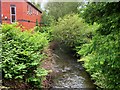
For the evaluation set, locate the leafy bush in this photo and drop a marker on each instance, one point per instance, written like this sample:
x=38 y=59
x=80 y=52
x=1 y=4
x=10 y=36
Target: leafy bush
x=101 y=59
x=22 y=53
x=72 y=30
x=102 y=54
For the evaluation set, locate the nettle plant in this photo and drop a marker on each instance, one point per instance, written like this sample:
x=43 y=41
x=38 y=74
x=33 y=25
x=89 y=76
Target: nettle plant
x=22 y=54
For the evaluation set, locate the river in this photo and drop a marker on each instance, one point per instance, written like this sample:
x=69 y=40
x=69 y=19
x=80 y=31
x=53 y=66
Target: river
x=71 y=73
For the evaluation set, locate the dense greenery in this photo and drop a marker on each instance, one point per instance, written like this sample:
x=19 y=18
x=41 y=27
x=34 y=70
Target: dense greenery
x=102 y=54
x=46 y=19
x=98 y=44
x=94 y=34
x=72 y=30
x=22 y=54
x=101 y=58
x=60 y=9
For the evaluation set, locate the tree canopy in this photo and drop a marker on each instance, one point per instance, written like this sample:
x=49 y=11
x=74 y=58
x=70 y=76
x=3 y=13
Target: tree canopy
x=106 y=14
x=60 y=9
x=102 y=55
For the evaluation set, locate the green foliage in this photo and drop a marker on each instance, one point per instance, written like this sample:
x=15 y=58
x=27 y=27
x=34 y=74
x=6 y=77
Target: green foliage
x=37 y=5
x=0 y=49
x=47 y=30
x=37 y=22
x=105 y=14
x=60 y=9
x=102 y=54
x=38 y=78
x=72 y=30
x=46 y=19
x=22 y=52
x=37 y=29
x=101 y=59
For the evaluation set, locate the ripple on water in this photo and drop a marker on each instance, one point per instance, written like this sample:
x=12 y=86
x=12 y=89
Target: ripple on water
x=71 y=74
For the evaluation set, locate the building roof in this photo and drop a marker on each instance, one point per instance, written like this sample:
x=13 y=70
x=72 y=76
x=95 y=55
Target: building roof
x=33 y=6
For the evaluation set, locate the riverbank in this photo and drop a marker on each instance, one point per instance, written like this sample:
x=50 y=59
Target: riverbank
x=49 y=64
x=66 y=71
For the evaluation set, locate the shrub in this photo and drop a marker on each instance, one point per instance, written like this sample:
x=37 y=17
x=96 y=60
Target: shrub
x=72 y=30
x=22 y=54
x=102 y=54
x=101 y=59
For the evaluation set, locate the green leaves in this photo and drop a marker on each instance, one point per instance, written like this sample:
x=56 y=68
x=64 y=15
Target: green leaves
x=106 y=14
x=102 y=58
x=72 y=30
x=41 y=72
x=101 y=55
x=22 y=52
x=60 y=9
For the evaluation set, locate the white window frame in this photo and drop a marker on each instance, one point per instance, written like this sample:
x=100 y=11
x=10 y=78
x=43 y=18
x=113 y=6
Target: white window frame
x=11 y=6
x=37 y=12
x=33 y=11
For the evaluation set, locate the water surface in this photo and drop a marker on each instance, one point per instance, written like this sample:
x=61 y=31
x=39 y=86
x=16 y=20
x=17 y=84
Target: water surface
x=71 y=74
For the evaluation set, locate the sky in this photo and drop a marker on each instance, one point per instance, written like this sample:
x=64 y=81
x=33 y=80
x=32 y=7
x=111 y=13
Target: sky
x=39 y=1
x=43 y=2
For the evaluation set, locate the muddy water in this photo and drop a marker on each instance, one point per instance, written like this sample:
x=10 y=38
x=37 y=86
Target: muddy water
x=71 y=74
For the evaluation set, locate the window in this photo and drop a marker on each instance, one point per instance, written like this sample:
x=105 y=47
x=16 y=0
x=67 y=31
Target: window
x=13 y=13
x=37 y=12
x=29 y=10
x=33 y=11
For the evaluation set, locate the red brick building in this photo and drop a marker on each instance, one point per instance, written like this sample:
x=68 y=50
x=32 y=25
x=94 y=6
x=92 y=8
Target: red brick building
x=20 y=11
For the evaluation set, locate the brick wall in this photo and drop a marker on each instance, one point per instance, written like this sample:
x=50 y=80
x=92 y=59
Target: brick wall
x=23 y=14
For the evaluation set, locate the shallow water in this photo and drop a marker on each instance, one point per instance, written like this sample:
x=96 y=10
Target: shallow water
x=71 y=74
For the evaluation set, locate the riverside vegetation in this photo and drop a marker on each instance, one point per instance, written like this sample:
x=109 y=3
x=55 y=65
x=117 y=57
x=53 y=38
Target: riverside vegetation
x=22 y=55
x=95 y=35
x=93 y=32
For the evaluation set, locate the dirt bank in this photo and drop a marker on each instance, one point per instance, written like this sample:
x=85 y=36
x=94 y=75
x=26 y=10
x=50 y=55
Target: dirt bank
x=49 y=64
x=66 y=71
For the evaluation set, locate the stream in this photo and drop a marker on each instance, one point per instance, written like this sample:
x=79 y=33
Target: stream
x=71 y=74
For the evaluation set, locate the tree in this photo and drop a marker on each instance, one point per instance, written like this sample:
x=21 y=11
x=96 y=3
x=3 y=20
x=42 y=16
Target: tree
x=38 y=5
x=102 y=54
x=60 y=9
x=106 y=14
x=46 y=19
x=72 y=30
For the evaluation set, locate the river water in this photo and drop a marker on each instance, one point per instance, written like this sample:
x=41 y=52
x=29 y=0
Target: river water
x=71 y=74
